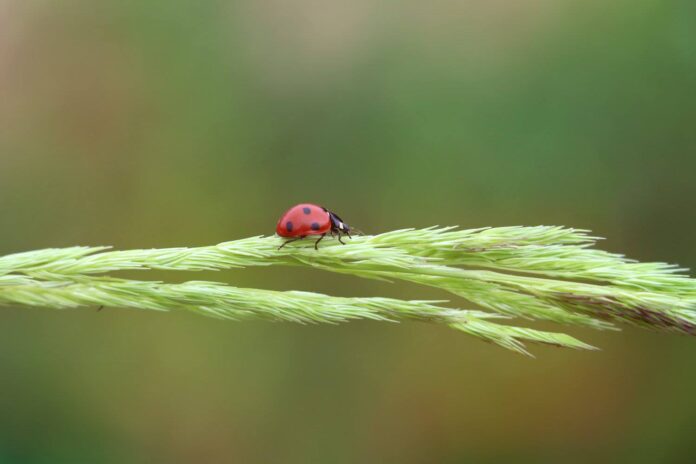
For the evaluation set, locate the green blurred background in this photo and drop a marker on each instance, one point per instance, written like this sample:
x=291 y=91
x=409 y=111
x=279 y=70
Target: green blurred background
x=167 y=123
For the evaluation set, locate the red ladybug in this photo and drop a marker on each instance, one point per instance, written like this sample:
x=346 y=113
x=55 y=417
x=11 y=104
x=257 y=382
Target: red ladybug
x=310 y=219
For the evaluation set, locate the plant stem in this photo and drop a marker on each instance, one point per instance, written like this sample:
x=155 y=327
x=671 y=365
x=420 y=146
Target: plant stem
x=536 y=273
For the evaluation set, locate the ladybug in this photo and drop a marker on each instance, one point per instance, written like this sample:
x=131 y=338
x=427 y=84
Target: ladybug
x=310 y=219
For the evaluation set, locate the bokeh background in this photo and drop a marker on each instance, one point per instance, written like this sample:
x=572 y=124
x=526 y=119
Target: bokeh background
x=170 y=123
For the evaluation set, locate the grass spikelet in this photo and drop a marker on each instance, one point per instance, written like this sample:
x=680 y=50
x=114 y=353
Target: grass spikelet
x=513 y=273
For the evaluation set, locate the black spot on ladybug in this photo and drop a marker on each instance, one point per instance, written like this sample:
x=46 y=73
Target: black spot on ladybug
x=306 y=210
x=288 y=225
x=315 y=226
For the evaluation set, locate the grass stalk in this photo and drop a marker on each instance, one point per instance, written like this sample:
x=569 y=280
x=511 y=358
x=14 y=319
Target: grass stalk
x=532 y=273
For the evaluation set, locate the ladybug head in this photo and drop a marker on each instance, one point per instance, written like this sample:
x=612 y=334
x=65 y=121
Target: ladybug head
x=337 y=223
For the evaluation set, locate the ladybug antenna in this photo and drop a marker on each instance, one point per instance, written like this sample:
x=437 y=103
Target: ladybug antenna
x=355 y=231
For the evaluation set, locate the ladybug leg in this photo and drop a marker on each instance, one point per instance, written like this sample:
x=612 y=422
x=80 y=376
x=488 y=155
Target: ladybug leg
x=290 y=241
x=338 y=233
x=317 y=242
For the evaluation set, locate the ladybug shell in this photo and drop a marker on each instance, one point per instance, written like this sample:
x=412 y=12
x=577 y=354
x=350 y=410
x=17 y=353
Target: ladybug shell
x=304 y=219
